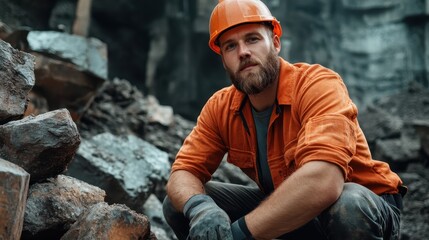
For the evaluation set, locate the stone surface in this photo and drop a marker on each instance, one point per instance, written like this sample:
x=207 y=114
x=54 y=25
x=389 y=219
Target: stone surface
x=43 y=145
x=152 y=208
x=87 y=53
x=16 y=80
x=65 y=85
x=128 y=168
x=14 y=183
x=53 y=206
x=110 y=222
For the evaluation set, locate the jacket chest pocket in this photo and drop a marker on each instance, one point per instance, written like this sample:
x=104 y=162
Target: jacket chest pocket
x=244 y=160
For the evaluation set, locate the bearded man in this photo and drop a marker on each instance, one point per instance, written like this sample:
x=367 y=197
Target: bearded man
x=293 y=129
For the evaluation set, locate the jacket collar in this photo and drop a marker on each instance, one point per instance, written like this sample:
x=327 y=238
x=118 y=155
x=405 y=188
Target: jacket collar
x=287 y=79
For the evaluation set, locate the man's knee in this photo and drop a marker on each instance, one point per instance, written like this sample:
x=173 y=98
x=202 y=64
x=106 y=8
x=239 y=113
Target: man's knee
x=355 y=212
x=169 y=211
x=354 y=201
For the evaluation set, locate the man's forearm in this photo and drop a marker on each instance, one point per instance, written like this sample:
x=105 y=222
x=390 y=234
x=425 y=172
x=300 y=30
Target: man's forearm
x=303 y=196
x=181 y=186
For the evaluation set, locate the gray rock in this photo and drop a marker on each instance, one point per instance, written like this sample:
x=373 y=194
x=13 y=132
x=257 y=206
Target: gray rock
x=16 y=80
x=88 y=53
x=153 y=210
x=128 y=168
x=43 y=145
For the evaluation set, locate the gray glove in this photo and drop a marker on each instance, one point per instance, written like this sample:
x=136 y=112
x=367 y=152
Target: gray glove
x=240 y=231
x=207 y=220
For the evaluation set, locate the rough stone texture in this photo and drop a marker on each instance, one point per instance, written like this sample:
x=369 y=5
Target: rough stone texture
x=53 y=206
x=411 y=105
x=376 y=46
x=399 y=152
x=65 y=85
x=128 y=168
x=414 y=218
x=14 y=183
x=152 y=208
x=110 y=222
x=379 y=124
x=16 y=80
x=42 y=145
x=121 y=109
x=87 y=53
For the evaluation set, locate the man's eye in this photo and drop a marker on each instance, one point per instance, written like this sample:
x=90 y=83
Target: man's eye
x=252 y=40
x=229 y=47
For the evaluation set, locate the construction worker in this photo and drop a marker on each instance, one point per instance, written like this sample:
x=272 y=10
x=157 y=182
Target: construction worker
x=293 y=129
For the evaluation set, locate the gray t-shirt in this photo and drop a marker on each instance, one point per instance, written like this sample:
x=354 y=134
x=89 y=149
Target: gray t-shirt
x=262 y=121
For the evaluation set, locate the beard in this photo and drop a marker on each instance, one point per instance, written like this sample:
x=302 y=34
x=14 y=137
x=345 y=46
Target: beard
x=255 y=82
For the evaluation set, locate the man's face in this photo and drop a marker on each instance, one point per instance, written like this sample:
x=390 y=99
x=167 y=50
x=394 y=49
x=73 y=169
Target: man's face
x=250 y=56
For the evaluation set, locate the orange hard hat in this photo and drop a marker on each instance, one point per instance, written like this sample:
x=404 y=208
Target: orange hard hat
x=229 y=13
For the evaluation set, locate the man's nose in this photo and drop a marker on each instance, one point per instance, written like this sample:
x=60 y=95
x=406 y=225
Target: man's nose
x=243 y=50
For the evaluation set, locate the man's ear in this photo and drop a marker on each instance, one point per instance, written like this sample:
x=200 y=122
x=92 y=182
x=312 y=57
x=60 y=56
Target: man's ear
x=277 y=43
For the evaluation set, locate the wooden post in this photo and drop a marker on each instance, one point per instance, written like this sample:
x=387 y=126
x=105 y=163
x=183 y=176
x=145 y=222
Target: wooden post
x=83 y=17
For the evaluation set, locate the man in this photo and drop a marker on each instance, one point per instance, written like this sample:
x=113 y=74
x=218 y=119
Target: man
x=293 y=129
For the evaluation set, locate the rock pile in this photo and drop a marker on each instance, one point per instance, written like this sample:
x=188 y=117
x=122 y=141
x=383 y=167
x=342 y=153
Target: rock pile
x=39 y=202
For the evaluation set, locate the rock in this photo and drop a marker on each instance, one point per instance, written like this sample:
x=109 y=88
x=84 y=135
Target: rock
x=376 y=123
x=399 y=152
x=128 y=168
x=43 y=145
x=110 y=222
x=16 y=80
x=65 y=85
x=53 y=206
x=87 y=53
x=14 y=183
x=152 y=208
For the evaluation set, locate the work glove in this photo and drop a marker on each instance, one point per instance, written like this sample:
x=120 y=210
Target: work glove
x=207 y=220
x=240 y=231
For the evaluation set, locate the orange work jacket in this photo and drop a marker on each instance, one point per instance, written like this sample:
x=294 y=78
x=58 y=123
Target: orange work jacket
x=313 y=119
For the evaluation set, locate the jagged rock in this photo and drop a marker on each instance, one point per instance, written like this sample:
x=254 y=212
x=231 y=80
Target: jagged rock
x=87 y=53
x=399 y=152
x=121 y=109
x=14 y=183
x=159 y=114
x=152 y=208
x=16 y=80
x=53 y=206
x=410 y=105
x=232 y=174
x=128 y=168
x=414 y=220
x=110 y=222
x=42 y=145
x=376 y=123
x=65 y=85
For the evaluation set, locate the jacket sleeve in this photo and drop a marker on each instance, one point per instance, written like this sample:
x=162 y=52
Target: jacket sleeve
x=328 y=118
x=203 y=149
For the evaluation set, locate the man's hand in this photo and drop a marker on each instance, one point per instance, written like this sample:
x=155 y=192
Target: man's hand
x=207 y=220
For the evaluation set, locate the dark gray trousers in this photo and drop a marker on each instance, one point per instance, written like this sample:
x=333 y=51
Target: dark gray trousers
x=357 y=214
